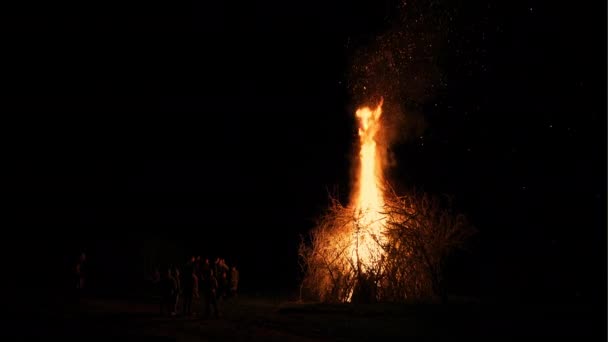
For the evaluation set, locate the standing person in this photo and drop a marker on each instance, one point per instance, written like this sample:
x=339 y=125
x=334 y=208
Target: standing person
x=178 y=290
x=209 y=294
x=198 y=265
x=203 y=276
x=223 y=285
x=168 y=289
x=188 y=284
x=234 y=281
x=79 y=276
x=195 y=289
x=223 y=278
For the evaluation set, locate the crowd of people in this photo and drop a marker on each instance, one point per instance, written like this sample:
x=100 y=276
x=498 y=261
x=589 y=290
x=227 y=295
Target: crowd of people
x=197 y=286
x=198 y=281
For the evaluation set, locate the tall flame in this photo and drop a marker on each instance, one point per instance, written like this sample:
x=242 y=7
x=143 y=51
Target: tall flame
x=369 y=198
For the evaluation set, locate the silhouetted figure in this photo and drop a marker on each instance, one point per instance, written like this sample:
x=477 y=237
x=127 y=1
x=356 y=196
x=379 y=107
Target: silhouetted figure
x=188 y=284
x=209 y=294
x=195 y=294
x=195 y=286
x=79 y=277
x=168 y=290
x=221 y=273
x=198 y=264
x=223 y=285
x=203 y=274
x=234 y=281
x=178 y=285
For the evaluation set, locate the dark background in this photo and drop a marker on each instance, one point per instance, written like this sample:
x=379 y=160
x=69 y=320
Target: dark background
x=150 y=131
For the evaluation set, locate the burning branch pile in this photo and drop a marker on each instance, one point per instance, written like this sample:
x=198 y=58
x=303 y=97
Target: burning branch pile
x=329 y=267
x=423 y=230
x=419 y=232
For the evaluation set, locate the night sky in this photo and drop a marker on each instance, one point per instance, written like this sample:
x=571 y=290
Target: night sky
x=220 y=129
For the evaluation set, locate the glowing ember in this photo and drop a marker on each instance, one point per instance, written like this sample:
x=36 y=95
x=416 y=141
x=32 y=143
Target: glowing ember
x=369 y=199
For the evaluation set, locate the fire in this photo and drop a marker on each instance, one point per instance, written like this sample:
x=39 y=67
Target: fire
x=369 y=199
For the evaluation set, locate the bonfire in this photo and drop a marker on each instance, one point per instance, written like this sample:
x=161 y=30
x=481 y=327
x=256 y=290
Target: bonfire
x=381 y=246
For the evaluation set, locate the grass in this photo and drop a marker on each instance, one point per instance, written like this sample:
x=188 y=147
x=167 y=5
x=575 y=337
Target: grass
x=272 y=319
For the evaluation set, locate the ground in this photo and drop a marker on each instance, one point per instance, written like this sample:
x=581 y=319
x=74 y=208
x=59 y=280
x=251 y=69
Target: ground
x=266 y=319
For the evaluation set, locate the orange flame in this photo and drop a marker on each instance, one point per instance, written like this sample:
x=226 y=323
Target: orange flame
x=369 y=198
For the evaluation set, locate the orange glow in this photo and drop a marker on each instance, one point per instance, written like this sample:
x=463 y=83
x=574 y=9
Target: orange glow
x=369 y=199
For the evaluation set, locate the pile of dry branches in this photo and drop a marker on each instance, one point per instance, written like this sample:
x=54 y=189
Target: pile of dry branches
x=420 y=232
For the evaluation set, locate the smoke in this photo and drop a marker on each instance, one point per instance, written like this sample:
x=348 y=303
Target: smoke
x=401 y=66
